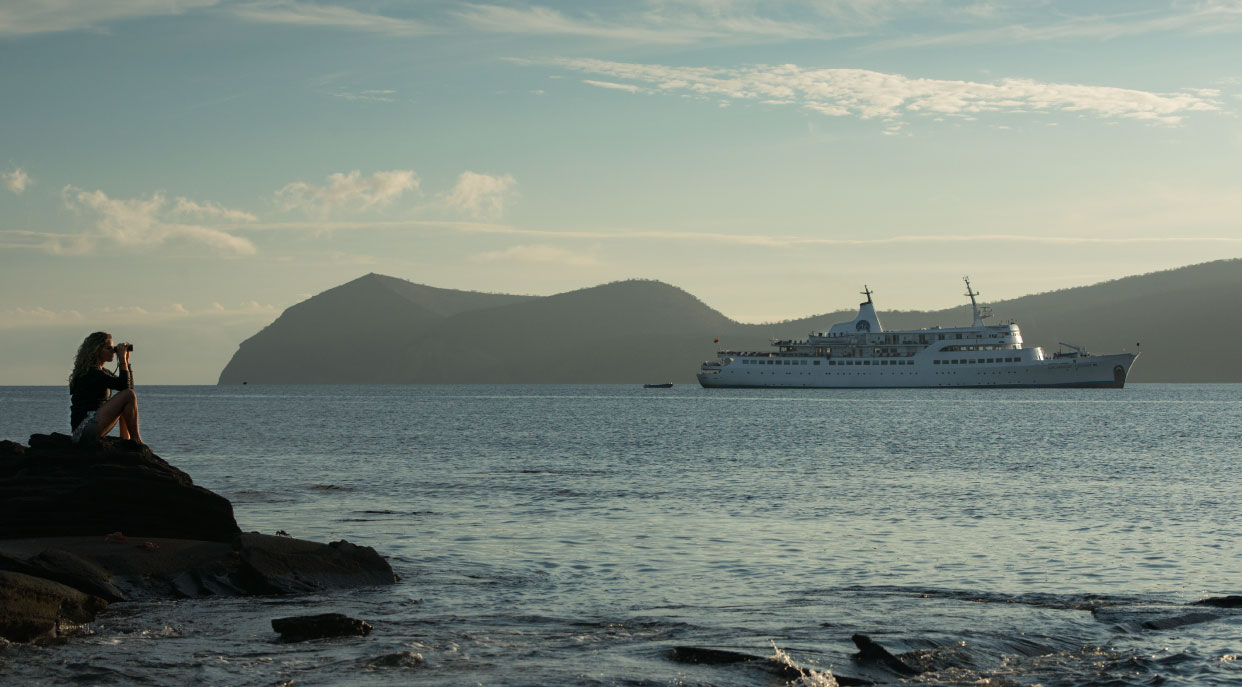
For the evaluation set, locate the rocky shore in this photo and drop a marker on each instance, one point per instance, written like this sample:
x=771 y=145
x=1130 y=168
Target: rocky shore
x=83 y=527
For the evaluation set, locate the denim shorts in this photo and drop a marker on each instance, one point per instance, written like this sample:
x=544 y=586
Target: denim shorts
x=88 y=427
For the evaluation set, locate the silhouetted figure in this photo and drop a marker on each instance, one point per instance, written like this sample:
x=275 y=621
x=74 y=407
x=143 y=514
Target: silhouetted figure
x=93 y=409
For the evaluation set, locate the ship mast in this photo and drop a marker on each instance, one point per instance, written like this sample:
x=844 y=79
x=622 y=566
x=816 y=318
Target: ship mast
x=973 y=305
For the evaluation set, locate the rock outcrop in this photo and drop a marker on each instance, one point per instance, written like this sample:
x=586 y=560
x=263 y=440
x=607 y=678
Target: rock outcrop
x=84 y=526
x=55 y=488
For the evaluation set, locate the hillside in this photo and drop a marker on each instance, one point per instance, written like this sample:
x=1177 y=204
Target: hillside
x=379 y=329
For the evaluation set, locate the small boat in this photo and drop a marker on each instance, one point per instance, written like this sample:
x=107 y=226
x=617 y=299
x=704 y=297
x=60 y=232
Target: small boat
x=666 y=385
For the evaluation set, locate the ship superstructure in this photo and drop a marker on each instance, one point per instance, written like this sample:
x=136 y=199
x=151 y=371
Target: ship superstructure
x=862 y=354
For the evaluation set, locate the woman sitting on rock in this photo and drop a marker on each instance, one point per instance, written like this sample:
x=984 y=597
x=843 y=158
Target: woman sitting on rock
x=92 y=413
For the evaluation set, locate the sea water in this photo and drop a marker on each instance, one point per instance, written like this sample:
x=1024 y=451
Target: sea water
x=566 y=535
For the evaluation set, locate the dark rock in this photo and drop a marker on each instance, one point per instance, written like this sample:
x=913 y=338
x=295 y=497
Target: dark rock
x=283 y=565
x=67 y=568
x=34 y=609
x=303 y=627
x=1179 y=621
x=871 y=652
x=712 y=657
x=1221 y=602
x=58 y=488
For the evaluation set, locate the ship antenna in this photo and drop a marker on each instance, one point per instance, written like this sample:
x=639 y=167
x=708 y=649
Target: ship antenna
x=867 y=292
x=973 y=305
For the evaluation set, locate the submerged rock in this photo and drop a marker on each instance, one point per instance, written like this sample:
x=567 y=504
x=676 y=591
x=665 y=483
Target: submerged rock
x=303 y=627
x=400 y=659
x=1178 y=621
x=56 y=488
x=720 y=657
x=871 y=652
x=1221 y=602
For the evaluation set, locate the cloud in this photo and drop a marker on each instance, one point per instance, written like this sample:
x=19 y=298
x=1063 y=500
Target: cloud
x=481 y=195
x=313 y=15
x=869 y=94
x=1218 y=213
x=27 y=17
x=373 y=96
x=17 y=180
x=38 y=316
x=348 y=190
x=185 y=206
x=544 y=21
x=537 y=253
x=1221 y=16
x=143 y=222
x=617 y=86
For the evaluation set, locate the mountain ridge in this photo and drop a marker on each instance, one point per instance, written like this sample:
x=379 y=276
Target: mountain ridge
x=381 y=329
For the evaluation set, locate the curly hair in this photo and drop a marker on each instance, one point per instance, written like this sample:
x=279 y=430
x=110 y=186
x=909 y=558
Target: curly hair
x=87 y=358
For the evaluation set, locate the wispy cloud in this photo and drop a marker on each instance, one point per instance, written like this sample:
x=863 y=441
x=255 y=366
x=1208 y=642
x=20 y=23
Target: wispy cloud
x=538 y=253
x=26 y=17
x=1199 y=18
x=144 y=222
x=616 y=86
x=349 y=190
x=16 y=180
x=307 y=14
x=185 y=206
x=869 y=94
x=481 y=195
x=129 y=315
x=721 y=238
x=545 y=21
x=372 y=96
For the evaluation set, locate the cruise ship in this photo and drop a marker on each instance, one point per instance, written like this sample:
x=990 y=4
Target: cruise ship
x=861 y=354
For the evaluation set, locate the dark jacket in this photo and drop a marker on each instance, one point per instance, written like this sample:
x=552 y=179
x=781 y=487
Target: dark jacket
x=89 y=390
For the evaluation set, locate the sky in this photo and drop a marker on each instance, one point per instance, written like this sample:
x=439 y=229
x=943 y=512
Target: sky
x=178 y=172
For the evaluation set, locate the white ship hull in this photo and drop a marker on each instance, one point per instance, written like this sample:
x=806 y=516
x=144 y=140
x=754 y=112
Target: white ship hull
x=1093 y=371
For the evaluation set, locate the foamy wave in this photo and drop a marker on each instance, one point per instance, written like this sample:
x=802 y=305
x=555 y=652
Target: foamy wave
x=809 y=677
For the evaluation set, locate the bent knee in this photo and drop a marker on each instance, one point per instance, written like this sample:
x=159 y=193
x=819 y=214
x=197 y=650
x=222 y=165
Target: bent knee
x=126 y=395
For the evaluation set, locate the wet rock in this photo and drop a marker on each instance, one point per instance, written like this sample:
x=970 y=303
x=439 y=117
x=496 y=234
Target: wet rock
x=1221 y=602
x=283 y=565
x=871 y=652
x=33 y=609
x=303 y=627
x=712 y=657
x=57 y=488
x=1178 y=621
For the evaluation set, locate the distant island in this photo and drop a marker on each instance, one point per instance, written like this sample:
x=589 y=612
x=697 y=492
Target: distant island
x=383 y=330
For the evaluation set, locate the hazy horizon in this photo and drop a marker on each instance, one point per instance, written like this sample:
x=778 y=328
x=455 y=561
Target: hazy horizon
x=179 y=173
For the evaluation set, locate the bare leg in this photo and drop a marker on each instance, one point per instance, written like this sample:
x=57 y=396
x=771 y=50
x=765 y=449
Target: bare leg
x=122 y=407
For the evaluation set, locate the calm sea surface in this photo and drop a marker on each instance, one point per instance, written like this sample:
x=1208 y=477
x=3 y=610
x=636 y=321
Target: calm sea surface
x=565 y=535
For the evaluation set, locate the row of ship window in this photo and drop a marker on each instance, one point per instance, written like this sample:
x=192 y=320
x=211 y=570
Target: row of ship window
x=830 y=362
x=976 y=360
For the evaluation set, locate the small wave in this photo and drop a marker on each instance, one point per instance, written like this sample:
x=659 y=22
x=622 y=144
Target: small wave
x=330 y=487
x=807 y=677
